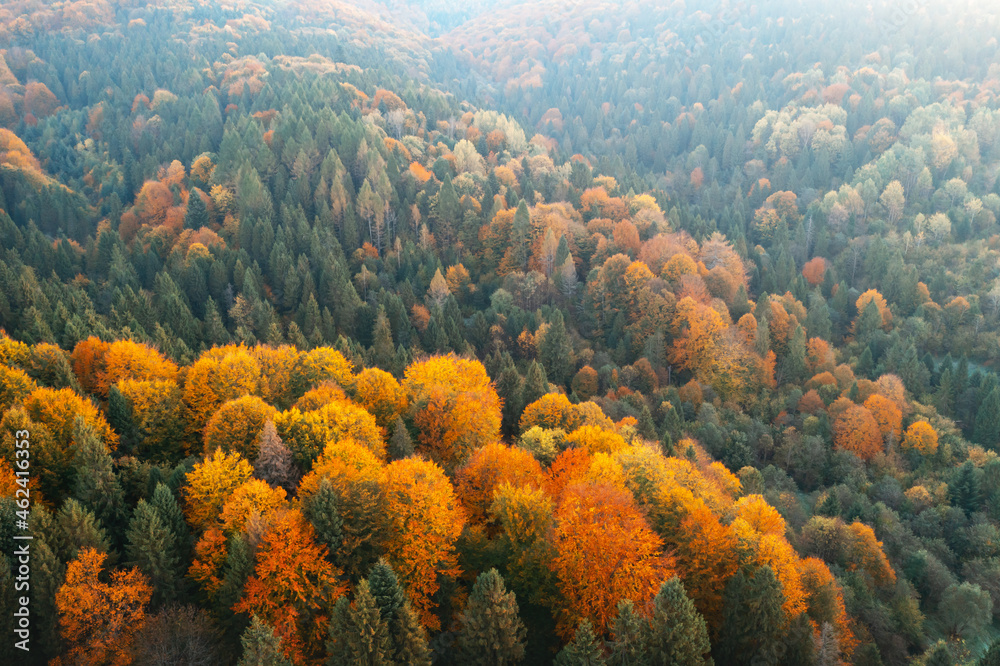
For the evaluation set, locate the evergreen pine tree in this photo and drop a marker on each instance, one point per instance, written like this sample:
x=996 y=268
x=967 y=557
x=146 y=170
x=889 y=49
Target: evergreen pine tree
x=556 y=351
x=97 y=488
x=78 y=529
x=196 y=215
x=274 y=461
x=236 y=571
x=676 y=632
x=536 y=384
x=172 y=517
x=322 y=512
x=584 y=650
x=358 y=634
x=754 y=623
x=520 y=237
x=215 y=332
x=383 y=349
x=261 y=647
x=646 y=426
x=795 y=362
x=400 y=444
x=510 y=388
x=987 y=428
x=151 y=547
x=627 y=648
x=866 y=363
x=407 y=637
x=492 y=633
x=120 y=418
x=47 y=576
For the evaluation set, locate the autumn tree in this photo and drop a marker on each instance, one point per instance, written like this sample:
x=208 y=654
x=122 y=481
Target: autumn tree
x=922 y=438
x=857 y=431
x=98 y=619
x=210 y=484
x=237 y=425
x=381 y=395
x=605 y=552
x=424 y=522
x=292 y=586
x=886 y=415
x=454 y=407
x=488 y=468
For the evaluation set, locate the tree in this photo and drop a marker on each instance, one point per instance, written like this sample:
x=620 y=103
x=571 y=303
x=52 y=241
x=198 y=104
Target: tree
x=210 y=484
x=987 y=427
x=584 y=650
x=968 y=609
x=379 y=393
x=424 y=522
x=196 y=215
x=676 y=632
x=178 y=635
x=627 y=647
x=922 y=438
x=152 y=547
x=605 y=552
x=754 y=623
x=492 y=632
x=400 y=444
x=454 y=407
x=98 y=619
x=237 y=426
x=488 y=468
x=274 y=461
x=887 y=415
x=97 y=488
x=556 y=350
x=857 y=431
x=292 y=586
x=408 y=639
x=359 y=636
x=261 y=646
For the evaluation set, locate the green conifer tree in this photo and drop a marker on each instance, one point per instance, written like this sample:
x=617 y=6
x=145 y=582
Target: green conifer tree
x=358 y=634
x=407 y=637
x=492 y=633
x=261 y=647
x=676 y=632
x=585 y=649
x=150 y=545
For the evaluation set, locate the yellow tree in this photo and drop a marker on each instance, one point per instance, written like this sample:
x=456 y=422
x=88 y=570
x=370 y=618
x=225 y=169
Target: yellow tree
x=219 y=374
x=210 y=484
x=454 y=406
x=424 y=521
x=381 y=395
x=697 y=329
x=237 y=424
x=922 y=438
x=488 y=468
x=307 y=433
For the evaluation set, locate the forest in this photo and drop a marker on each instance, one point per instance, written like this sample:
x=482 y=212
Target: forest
x=572 y=332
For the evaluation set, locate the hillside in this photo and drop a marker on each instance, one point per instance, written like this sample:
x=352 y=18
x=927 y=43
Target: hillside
x=370 y=332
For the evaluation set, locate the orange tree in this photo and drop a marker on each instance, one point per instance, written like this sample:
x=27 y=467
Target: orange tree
x=454 y=406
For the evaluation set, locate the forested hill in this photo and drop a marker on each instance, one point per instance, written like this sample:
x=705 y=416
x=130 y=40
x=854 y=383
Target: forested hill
x=412 y=332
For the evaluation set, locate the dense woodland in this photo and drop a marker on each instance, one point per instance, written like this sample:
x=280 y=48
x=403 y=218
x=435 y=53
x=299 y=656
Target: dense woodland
x=491 y=332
